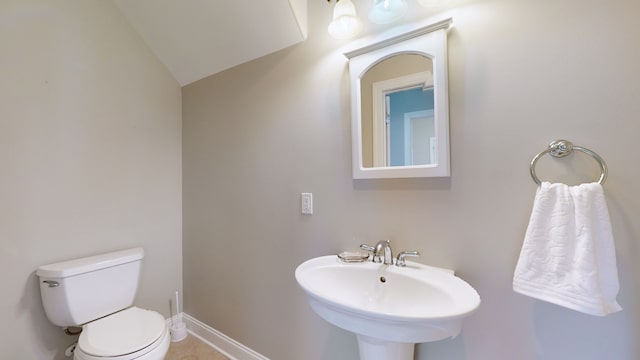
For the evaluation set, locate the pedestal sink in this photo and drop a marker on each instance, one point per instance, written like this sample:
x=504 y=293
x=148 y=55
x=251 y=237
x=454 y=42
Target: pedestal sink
x=389 y=308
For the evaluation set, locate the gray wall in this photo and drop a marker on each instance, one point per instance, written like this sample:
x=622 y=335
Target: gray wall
x=90 y=143
x=522 y=73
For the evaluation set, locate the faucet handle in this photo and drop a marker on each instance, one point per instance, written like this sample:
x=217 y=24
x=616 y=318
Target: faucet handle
x=368 y=248
x=401 y=262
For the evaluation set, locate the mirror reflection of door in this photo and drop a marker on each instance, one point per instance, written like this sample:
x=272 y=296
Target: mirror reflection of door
x=419 y=138
x=411 y=127
x=398 y=124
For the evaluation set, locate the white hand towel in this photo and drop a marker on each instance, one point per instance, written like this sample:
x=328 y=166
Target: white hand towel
x=568 y=256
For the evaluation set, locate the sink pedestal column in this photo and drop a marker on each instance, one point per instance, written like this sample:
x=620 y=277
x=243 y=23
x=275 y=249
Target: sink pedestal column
x=374 y=349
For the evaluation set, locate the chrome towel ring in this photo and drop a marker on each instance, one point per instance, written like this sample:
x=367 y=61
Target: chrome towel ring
x=562 y=148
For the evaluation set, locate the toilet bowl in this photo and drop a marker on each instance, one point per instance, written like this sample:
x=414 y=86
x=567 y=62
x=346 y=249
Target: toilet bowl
x=133 y=333
x=97 y=293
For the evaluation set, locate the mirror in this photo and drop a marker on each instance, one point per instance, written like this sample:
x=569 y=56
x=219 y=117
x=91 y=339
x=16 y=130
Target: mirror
x=399 y=102
x=397 y=118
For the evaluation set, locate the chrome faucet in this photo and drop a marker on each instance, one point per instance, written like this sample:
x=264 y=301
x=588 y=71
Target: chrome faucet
x=383 y=252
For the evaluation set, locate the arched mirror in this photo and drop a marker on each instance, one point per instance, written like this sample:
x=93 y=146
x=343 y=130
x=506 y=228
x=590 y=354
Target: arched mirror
x=399 y=105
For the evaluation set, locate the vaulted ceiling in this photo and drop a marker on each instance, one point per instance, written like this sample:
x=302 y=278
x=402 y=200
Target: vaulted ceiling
x=198 y=38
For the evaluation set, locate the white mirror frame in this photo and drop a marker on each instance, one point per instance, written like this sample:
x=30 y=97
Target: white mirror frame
x=429 y=41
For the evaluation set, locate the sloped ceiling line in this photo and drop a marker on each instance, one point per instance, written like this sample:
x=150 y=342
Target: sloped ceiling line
x=198 y=38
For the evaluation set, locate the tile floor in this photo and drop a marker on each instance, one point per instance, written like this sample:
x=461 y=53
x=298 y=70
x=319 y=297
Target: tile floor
x=193 y=348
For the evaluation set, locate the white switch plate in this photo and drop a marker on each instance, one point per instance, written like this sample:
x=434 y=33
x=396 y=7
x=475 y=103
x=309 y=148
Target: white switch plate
x=307 y=203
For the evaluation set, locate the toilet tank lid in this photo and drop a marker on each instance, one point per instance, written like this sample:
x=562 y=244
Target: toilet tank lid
x=83 y=265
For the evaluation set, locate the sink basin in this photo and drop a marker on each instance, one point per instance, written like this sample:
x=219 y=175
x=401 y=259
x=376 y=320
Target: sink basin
x=389 y=308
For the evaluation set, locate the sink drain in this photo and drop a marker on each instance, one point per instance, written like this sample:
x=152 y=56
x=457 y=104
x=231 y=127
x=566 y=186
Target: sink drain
x=383 y=279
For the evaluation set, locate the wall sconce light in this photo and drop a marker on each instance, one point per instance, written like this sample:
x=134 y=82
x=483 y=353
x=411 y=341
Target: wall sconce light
x=387 y=11
x=345 y=24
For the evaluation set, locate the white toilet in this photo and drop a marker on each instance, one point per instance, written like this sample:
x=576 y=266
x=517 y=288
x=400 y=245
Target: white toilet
x=96 y=293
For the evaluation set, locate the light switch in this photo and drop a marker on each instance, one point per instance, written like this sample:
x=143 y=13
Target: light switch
x=307 y=203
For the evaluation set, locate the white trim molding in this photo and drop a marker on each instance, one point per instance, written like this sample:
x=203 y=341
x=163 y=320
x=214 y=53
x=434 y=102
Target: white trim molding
x=433 y=45
x=443 y=24
x=219 y=341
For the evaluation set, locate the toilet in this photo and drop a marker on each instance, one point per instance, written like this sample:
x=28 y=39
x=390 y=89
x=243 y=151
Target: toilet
x=97 y=293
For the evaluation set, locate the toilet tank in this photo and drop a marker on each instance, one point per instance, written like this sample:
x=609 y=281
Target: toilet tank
x=78 y=291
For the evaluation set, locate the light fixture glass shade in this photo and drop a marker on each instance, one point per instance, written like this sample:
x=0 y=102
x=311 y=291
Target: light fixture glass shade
x=345 y=24
x=387 y=11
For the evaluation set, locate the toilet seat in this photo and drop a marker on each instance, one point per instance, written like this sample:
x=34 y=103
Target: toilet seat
x=128 y=334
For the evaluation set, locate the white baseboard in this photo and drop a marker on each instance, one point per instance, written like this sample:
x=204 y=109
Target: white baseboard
x=219 y=341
